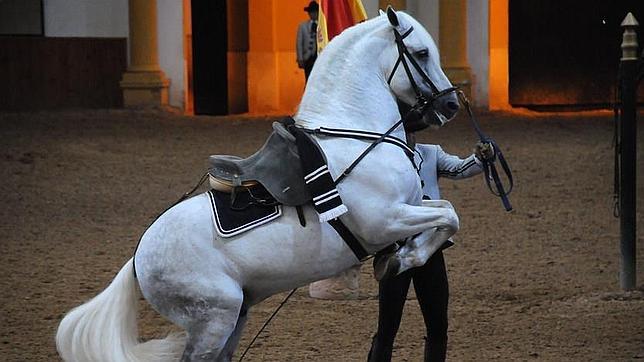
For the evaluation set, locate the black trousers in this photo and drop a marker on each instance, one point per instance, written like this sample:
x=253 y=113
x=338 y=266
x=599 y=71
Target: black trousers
x=308 y=66
x=432 y=291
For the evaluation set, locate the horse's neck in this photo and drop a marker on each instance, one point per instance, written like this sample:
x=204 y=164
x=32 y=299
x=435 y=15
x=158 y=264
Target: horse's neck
x=347 y=92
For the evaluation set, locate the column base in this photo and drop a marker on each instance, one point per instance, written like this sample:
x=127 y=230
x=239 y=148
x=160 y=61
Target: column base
x=461 y=77
x=145 y=89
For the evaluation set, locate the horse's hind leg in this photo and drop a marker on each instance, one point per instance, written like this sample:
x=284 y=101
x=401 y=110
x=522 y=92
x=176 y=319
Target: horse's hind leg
x=212 y=320
x=233 y=340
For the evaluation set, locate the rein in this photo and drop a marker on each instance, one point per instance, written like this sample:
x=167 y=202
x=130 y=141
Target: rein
x=365 y=135
x=417 y=111
x=489 y=168
x=365 y=152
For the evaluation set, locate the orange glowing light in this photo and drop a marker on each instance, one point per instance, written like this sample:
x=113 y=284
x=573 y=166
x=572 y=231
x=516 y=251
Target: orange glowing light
x=499 y=78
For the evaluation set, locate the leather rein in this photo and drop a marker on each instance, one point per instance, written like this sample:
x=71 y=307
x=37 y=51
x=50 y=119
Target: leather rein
x=411 y=119
x=423 y=104
x=489 y=167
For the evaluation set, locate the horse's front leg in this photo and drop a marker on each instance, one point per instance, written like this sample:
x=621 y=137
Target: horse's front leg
x=419 y=249
x=430 y=224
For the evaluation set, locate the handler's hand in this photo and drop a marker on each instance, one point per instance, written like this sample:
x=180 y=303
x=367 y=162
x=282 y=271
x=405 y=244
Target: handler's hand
x=484 y=151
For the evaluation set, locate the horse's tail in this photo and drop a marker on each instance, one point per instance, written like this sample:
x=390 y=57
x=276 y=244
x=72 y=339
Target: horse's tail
x=105 y=328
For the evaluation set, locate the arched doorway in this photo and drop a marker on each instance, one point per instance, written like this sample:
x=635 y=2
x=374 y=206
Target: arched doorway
x=217 y=44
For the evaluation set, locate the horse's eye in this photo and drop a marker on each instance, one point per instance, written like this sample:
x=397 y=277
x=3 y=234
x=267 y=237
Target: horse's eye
x=422 y=53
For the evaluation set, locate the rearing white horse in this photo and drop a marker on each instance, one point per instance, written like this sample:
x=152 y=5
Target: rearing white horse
x=205 y=284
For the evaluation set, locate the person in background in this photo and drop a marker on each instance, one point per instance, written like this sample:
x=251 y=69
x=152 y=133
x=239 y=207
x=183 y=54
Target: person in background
x=430 y=280
x=306 y=45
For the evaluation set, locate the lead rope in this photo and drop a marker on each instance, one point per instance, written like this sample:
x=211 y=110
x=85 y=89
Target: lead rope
x=266 y=324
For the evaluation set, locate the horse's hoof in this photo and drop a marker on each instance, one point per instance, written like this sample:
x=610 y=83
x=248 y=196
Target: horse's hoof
x=386 y=267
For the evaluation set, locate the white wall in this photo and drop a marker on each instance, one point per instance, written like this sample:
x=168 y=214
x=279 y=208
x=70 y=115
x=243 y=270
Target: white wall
x=86 y=18
x=478 y=49
x=371 y=7
x=426 y=12
x=102 y=18
x=170 y=41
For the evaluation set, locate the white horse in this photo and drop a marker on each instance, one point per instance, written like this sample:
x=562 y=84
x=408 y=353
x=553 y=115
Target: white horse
x=205 y=284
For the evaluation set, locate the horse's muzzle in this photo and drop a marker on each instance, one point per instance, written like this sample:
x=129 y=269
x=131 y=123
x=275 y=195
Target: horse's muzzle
x=434 y=112
x=447 y=104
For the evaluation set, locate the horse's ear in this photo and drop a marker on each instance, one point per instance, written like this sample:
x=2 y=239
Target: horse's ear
x=380 y=12
x=393 y=18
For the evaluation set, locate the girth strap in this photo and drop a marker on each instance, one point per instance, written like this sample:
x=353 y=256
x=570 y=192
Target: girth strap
x=350 y=239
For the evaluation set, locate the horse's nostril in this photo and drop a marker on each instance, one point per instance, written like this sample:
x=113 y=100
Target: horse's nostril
x=452 y=106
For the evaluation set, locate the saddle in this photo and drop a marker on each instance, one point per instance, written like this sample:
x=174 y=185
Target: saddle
x=275 y=166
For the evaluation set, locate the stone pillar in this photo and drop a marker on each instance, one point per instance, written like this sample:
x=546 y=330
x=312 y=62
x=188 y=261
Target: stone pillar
x=396 y=4
x=453 y=43
x=144 y=84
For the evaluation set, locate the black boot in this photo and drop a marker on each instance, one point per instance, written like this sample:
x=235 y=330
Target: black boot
x=435 y=351
x=378 y=352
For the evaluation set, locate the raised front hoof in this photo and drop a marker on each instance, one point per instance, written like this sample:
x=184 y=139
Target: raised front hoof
x=386 y=267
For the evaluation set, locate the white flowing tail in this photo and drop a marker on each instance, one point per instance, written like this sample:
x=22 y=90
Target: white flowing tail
x=105 y=328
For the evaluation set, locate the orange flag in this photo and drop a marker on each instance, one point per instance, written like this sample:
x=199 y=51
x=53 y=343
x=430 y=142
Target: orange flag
x=335 y=16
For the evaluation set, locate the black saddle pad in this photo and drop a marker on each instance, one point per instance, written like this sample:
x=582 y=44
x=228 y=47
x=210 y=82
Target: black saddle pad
x=243 y=215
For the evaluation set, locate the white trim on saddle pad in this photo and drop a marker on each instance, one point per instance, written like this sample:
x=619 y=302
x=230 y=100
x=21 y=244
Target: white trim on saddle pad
x=224 y=233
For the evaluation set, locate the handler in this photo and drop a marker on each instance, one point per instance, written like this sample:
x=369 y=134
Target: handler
x=430 y=280
x=306 y=45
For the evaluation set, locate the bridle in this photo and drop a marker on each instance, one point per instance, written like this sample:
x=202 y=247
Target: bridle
x=413 y=120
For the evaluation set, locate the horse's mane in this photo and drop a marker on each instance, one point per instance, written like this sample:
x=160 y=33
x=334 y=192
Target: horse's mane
x=350 y=38
x=339 y=72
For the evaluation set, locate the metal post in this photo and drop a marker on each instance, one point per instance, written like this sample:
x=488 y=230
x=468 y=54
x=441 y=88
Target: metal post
x=628 y=149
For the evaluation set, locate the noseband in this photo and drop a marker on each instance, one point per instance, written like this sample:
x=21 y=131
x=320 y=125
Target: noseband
x=413 y=120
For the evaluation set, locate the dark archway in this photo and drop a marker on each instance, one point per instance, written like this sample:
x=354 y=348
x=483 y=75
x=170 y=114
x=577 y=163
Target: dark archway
x=565 y=53
x=209 y=57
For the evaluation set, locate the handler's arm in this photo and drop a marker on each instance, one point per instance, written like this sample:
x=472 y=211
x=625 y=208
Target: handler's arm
x=454 y=167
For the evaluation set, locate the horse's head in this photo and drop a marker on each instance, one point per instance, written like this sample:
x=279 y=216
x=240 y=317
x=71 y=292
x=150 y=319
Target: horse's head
x=412 y=65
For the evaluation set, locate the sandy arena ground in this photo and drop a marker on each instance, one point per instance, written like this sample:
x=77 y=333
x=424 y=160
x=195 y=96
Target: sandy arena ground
x=541 y=283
